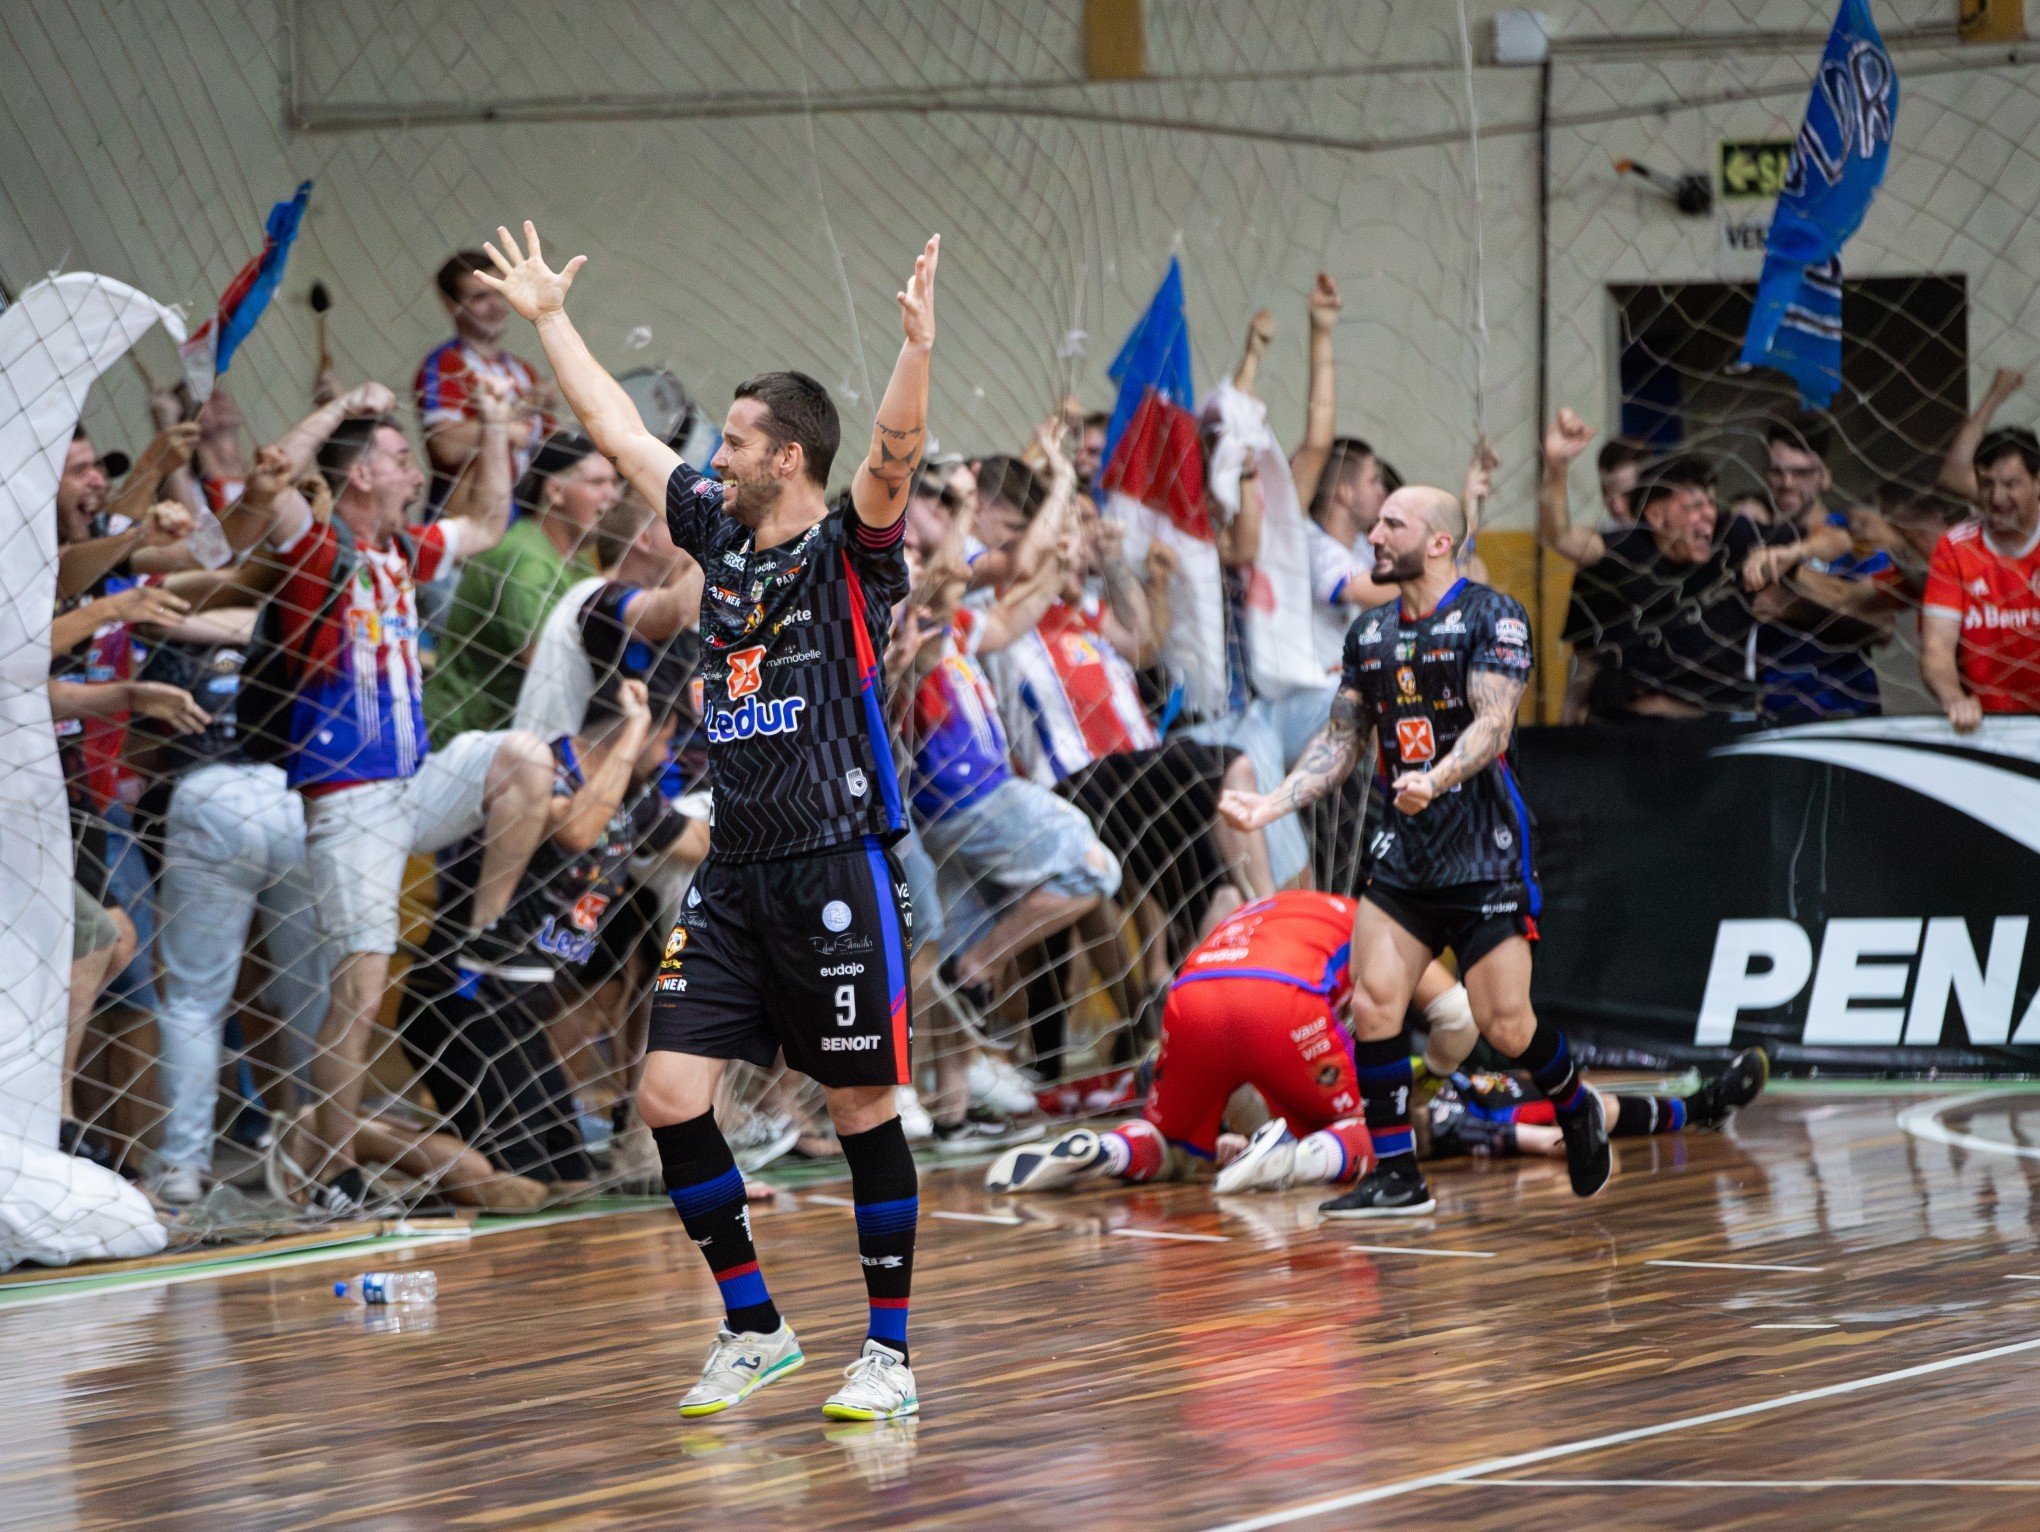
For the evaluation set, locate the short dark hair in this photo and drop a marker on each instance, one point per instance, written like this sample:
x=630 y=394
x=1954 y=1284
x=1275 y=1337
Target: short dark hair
x=1688 y=471
x=1801 y=432
x=1010 y=481
x=343 y=449
x=1098 y=420
x=798 y=410
x=561 y=451
x=2005 y=440
x=1619 y=452
x=458 y=265
x=1343 y=460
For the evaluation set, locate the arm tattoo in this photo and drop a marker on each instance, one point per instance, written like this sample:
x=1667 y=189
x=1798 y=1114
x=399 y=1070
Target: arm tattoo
x=1329 y=757
x=1494 y=697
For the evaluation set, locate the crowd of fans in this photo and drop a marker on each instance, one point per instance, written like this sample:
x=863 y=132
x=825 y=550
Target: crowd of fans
x=282 y=672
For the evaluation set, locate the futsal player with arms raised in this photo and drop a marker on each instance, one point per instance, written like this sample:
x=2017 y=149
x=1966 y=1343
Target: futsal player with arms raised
x=1436 y=677
x=795 y=933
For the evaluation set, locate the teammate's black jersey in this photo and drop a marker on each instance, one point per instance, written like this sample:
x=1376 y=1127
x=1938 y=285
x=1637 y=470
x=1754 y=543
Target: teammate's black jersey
x=793 y=692
x=1412 y=675
x=560 y=902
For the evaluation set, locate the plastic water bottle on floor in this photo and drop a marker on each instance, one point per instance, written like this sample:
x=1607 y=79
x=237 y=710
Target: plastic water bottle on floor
x=380 y=1287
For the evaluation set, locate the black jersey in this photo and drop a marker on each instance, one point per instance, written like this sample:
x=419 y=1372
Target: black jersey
x=793 y=694
x=1412 y=675
x=558 y=908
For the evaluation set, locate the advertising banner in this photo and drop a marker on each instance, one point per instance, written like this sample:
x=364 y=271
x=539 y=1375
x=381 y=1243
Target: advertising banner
x=1858 y=896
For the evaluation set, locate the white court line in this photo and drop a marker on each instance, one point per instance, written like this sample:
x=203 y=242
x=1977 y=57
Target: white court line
x=1791 y=1325
x=1004 y=1218
x=827 y=1201
x=1735 y=1266
x=1203 y=1239
x=2022 y=1276
x=1766 y=1483
x=1924 y=1121
x=1493 y=1466
x=1464 y=1255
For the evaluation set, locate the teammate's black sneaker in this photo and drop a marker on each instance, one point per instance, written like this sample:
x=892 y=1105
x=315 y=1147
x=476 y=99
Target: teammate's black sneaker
x=1588 y=1159
x=1717 y=1100
x=1384 y=1194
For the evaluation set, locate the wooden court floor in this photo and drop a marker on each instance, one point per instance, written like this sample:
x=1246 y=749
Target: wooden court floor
x=1825 y=1320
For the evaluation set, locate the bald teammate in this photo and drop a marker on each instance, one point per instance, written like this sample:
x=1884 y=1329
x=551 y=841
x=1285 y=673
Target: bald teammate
x=1433 y=679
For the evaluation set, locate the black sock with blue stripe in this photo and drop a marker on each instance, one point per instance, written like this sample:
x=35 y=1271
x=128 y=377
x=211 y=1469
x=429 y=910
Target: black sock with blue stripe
x=1645 y=1116
x=886 y=1190
x=1386 y=1081
x=707 y=1191
x=1552 y=1070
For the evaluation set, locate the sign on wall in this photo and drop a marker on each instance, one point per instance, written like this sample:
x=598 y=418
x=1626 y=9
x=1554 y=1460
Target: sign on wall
x=1749 y=173
x=1855 y=895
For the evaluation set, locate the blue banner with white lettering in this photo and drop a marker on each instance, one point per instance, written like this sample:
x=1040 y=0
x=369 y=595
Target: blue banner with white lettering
x=1837 y=165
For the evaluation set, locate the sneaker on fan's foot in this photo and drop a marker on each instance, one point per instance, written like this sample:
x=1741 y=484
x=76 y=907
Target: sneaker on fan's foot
x=1718 y=1099
x=1383 y=1193
x=880 y=1386
x=739 y=1365
x=176 y=1185
x=997 y=1084
x=914 y=1119
x=762 y=1138
x=1265 y=1165
x=1588 y=1159
x=345 y=1196
x=983 y=1129
x=1043 y=1167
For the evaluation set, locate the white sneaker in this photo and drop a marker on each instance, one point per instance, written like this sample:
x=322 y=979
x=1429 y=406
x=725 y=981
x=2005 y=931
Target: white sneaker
x=760 y=1139
x=739 y=1365
x=1043 y=1167
x=914 y=1119
x=975 y=1135
x=998 y=1085
x=177 y=1185
x=880 y=1387
x=1265 y=1165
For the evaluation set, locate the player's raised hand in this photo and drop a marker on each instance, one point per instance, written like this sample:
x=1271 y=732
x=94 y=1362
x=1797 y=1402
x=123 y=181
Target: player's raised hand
x=1414 y=791
x=1567 y=438
x=633 y=702
x=1260 y=330
x=527 y=284
x=917 y=303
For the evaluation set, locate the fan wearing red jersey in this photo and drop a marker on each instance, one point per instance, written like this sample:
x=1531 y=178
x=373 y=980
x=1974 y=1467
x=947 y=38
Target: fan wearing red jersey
x=1980 y=619
x=1258 y=1003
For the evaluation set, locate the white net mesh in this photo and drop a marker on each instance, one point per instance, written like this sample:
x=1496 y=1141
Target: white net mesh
x=749 y=184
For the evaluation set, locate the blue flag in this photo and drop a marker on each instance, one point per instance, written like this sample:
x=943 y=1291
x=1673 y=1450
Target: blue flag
x=249 y=293
x=1156 y=356
x=1837 y=165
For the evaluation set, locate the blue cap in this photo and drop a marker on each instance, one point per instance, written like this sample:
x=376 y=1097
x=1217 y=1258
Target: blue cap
x=339 y=1289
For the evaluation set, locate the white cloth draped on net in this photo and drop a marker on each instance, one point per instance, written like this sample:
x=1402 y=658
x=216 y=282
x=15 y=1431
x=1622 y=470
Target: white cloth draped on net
x=54 y=344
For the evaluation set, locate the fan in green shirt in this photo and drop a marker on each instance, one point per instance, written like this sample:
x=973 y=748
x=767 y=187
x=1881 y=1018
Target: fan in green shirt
x=504 y=594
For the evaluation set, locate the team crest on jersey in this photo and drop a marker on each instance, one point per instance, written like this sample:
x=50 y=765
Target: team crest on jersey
x=676 y=944
x=1414 y=740
x=587 y=912
x=1405 y=684
x=745 y=668
x=1079 y=650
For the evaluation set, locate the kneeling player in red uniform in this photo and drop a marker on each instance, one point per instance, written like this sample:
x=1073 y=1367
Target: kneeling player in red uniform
x=1258 y=1002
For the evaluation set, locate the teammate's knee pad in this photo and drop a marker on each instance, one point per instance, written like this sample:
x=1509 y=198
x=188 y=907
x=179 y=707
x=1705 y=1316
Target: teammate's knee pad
x=1453 y=1033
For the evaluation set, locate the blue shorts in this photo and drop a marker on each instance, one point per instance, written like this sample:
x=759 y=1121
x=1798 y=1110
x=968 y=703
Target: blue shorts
x=995 y=850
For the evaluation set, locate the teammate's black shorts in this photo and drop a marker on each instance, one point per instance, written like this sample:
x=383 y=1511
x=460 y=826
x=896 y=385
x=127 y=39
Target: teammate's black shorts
x=1471 y=918
x=806 y=953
